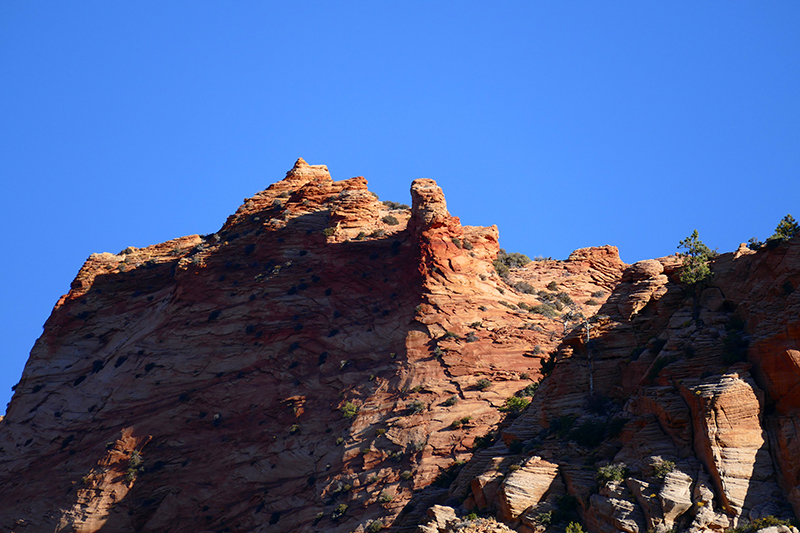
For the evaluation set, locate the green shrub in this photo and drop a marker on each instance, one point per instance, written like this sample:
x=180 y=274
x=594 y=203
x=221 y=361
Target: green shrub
x=467 y=245
x=456 y=241
x=416 y=407
x=598 y=294
x=506 y=260
x=564 y=298
x=592 y=301
x=544 y=519
x=695 y=260
x=545 y=310
x=452 y=400
x=329 y=231
x=349 y=410
x=501 y=268
x=552 y=286
x=530 y=390
x=515 y=404
x=395 y=205
x=483 y=384
x=385 y=497
x=406 y=475
x=340 y=510
x=574 y=527
x=524 y=287
x=662 y=469
x=787 y=228
x=390 y=220
x=471 y=516
x=375 y=526
x=361 y=236
x=612 y=472
x=485 y=441
x=754 y=244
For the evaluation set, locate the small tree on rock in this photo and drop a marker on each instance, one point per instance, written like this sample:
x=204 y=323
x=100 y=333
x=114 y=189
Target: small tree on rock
x=787 y=228
x=695 y=260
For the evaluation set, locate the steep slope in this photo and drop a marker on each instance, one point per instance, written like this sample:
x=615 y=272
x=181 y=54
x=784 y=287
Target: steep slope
x=676 y=412
x=328 y=362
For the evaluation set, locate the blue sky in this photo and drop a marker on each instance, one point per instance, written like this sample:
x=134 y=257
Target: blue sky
x=567 y=124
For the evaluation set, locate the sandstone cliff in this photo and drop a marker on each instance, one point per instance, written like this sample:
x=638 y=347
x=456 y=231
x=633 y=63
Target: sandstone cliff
x=329 y=362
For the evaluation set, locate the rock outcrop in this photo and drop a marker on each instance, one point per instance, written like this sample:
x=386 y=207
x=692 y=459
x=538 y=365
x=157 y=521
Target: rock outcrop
x=330 y=362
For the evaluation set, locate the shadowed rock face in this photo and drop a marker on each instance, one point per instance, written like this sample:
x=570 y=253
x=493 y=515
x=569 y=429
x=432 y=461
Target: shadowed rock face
x=316 y=365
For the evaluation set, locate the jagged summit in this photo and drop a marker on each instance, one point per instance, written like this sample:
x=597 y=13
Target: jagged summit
x=330 y=362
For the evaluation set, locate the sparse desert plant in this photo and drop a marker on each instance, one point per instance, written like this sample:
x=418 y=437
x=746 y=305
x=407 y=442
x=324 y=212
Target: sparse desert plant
x=390 y=220
x=385 y=497
x=349 y=410
x=552 y=286
x=375 y=526
x=545 y=310
x=395 y=205
x=598 y=294
x=515 y=404
x=483 y=384
x=406 y=475
x=416 y=407
x=662 y=469
x=450 y=401
x=505 y=261
x=339 y=511
x=574 y=527
x=524 y=287
x=529 y=390
x=612 y=472
x=329 y=231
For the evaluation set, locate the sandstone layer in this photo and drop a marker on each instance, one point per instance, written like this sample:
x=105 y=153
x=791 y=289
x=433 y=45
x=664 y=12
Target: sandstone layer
x=330 y=362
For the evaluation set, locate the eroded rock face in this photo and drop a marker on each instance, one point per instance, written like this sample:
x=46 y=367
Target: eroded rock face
x=328 y=362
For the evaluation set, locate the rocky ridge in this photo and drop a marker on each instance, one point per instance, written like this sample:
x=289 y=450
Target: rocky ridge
x=329 y=362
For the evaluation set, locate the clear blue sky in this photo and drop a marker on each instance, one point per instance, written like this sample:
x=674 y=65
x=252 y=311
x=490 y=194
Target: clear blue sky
x=567 y=124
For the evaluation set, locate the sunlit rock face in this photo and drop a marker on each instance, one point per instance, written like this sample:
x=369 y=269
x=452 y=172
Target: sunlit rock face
x=330 y=362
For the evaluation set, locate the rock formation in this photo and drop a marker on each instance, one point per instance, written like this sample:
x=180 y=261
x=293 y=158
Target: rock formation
x=330 y=362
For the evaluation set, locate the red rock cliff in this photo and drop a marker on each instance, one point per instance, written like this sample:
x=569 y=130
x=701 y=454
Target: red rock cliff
x=328 y=362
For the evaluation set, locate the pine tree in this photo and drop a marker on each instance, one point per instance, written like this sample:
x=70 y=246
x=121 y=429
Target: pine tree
x=787 y=228
x=695 y=260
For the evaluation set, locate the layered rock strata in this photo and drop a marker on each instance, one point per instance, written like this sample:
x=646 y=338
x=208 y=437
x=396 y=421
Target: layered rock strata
x=330 y=362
